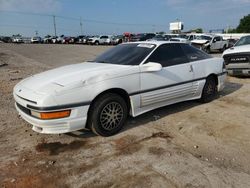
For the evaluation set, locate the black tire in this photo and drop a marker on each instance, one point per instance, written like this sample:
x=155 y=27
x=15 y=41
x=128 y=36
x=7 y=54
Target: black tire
x=107 y=115
x=207 y=49
x=223 y=49
x=96 y=42
x=209 y=91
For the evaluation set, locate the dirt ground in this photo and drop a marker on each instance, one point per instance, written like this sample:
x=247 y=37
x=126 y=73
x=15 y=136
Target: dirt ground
x=183 y=145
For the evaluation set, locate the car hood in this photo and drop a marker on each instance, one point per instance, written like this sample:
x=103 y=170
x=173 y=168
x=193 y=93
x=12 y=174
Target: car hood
x=74 y=76
x=238 y=49
x=199 y=41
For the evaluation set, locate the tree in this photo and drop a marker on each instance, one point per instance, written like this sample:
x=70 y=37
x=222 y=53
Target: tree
x=244 y=26
x=232 y=30
x=199 y=30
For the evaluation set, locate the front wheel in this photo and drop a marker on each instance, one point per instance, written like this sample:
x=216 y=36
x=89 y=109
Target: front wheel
x=223 y=49
x=209 y=90
x=108 y=115
x=207 y=49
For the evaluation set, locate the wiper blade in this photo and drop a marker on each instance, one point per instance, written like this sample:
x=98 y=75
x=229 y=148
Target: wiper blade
x=102 y=62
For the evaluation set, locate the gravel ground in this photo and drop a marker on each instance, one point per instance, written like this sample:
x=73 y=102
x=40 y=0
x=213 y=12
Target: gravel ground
x=183 y=145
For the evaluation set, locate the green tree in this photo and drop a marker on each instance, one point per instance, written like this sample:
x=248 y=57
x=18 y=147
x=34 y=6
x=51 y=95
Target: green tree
x=199 y=30
x=244 y=26
x=230 y=30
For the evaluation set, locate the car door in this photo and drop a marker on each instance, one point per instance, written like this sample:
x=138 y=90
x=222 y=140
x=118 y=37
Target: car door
x=103 y=39
x=215 y=43
x=171 y=84
x=196 y=57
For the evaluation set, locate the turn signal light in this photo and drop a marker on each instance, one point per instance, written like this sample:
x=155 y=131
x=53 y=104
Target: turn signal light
x=55 y=115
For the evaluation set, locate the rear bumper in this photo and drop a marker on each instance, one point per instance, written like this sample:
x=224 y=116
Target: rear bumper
x=76 y=121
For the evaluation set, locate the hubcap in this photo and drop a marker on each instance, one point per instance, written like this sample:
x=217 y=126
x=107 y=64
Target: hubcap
x=111 y=116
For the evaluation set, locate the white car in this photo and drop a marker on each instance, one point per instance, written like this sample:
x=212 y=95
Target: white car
x=210 y=43
x=131 y=78
x=237 y=58
x=36 y=40
x=104 y=39
x=17 y=40
x=178 y=39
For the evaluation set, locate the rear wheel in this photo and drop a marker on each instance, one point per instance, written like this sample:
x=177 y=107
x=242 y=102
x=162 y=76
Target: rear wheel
x=108 y=114
x=96 y=42
x=209 y=90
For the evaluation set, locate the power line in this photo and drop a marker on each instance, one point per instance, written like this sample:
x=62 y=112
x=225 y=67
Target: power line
x=85 y=20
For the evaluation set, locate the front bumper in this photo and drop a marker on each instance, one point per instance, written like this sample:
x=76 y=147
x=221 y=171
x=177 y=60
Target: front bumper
x=238 y=69
x=76 y=121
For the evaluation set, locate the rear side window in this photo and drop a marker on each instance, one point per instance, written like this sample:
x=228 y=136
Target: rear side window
x=104 y=37
x=194 y=54
x=168 y=55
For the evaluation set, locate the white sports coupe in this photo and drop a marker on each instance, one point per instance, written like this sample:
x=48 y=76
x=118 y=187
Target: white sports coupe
x=131 y=78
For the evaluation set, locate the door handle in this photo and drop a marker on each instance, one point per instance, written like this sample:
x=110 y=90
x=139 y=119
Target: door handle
x=191 y=68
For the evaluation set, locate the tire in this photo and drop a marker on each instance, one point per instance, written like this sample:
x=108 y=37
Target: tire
x=223 y=49
x=107 y=115
x=207 y=49
x=209 y=91
x=96 y=42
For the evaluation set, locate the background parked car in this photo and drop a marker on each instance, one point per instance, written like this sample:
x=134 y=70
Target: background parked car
x=68 y=40
x=142 y=37
x=237 y=58
x=54 y=40
x=47 y=39
x=159 y=38
x=6 y=39
x=178 y=39
x=231 y=42
x=103 y=39
x=81 y=39
x=17 y=40
x=210 y=43
x=36 y=40
x=118 y=39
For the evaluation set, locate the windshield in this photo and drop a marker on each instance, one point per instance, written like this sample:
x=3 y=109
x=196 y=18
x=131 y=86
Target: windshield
x=203 y=37
x=126 y=54
x=243 y=41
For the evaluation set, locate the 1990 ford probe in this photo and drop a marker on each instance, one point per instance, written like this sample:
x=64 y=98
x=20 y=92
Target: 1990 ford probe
x=131 y=78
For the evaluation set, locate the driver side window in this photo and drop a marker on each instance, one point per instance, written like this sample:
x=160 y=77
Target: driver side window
x=168 y=55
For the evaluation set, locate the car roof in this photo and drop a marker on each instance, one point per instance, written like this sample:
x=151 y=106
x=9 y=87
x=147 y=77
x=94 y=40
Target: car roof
x=157 y=43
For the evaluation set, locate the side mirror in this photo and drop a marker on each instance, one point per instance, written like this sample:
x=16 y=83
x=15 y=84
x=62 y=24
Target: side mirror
x=214 y=40
x=151 y=67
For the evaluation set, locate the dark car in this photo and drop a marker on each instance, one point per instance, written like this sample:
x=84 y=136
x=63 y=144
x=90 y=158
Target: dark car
x=81 y=39
x=142 y=37
x=6 y=39
x=231 y=42
x=69 y=40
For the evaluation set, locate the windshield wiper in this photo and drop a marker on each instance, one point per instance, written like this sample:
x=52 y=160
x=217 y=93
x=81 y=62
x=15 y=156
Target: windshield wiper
x=102 y=61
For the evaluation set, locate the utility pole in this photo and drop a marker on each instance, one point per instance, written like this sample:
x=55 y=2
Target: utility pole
x=81 y=24
x=54 y=20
